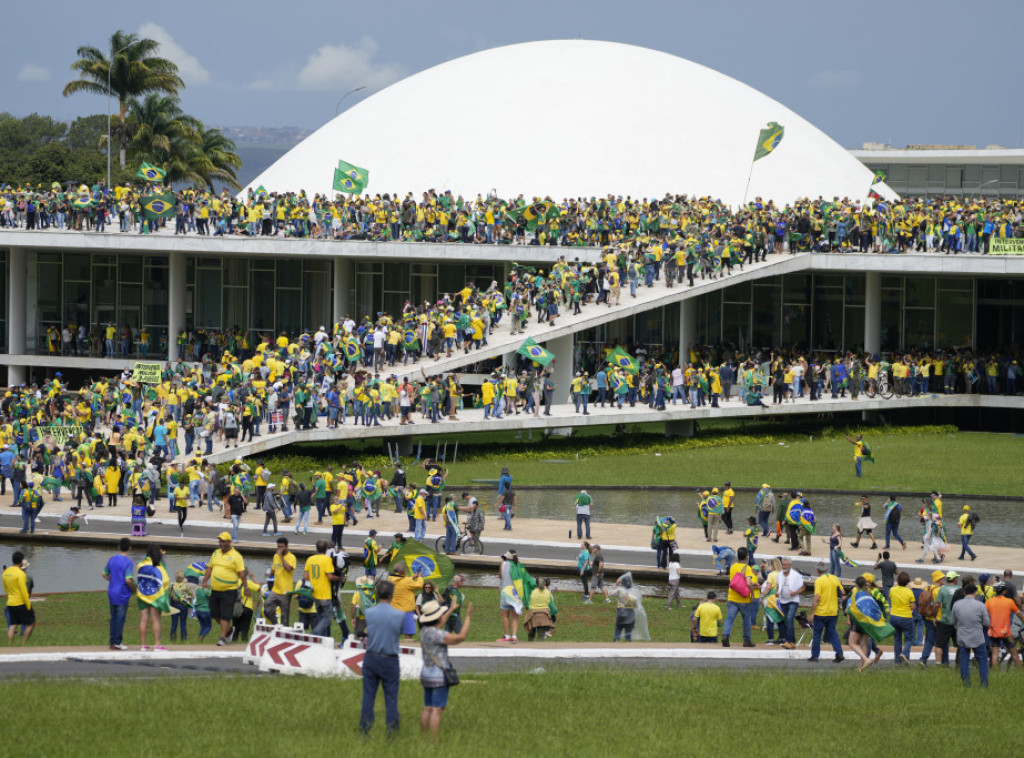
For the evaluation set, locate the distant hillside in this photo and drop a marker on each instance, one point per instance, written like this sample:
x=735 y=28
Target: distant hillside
x=256 y=159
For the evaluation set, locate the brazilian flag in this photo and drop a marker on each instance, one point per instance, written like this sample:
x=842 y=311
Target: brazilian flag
x=194 y=572
x=411 y=341
x=621 y=359
x=807 y=520
x=151 y=173
x=768 y=140
x=353 y=351
x=154 y=586
x=158 y=205
x=538 y=213
x=349 y=178
x=431 y=565
x=522 y=581
x=530 y=349
x=82 y=201
x=866 y=611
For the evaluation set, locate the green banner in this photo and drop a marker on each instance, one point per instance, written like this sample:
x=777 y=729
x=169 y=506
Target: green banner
x=1006 y=246
x=146 y=373
x=61 y=434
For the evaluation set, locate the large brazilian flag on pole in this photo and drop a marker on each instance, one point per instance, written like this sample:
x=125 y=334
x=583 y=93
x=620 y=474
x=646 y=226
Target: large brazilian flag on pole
x=431 y=565
x=530 y=349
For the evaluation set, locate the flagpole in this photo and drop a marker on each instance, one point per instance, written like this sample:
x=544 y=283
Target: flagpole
x=749 y=174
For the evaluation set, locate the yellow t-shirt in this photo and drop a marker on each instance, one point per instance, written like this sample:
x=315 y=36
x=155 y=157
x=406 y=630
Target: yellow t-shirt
x=734 y=596
x=225 y=569
x=405 y=592
x=181 y=499
x=966 y=526
x=338 y=514
x=318 y=567
x=901 y=602
x=284 y=579
x=827 y=587
x=708 y=616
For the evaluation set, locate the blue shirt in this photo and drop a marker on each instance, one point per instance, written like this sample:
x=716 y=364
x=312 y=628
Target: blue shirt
x=118 y=568
x=504 y=484
x=383 y=629
x=160 y=435
x=6 y=459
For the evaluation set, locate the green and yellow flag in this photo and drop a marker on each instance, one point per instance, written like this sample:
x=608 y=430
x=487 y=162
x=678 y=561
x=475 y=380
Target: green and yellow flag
x=349 y=178
x=431 y=565
x=151 y=173
x=539 y=213
x=530 y=349
x=621 y=359
x=768 y=140
x=158 y=205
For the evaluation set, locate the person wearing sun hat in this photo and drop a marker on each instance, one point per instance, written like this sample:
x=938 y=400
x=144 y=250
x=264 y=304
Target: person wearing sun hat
x=434 y=642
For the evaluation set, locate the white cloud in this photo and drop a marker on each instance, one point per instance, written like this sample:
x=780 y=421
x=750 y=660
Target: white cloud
x=189 y=67
x=835 y=79
x=30 y=72
x=334 y=67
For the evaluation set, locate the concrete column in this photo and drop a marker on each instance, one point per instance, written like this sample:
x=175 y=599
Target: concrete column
x=872 y=312
x=562 y=369
x=177 y=290
x=687 y=327
x=17 y=285
x=678 y=428
x=344 y=272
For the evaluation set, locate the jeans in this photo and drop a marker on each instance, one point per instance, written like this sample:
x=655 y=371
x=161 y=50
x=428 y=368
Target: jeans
x=981 y=657
x=451 y=538
x=918 y=622
x=903 y=636
x=789 y=610
x=929 y=643
x=420 y=531
x=117 y=616
x=825 y=628
x=303 y=522
x=892 y=530
x=507 y=515
x=965 y=546
x=746 y=611
x=28 y=519
x=856 y=463
x=762 y=521
x=322 y=619
x=234 y=527
x=581 y=519
x=205 y=623
x=380 y=671
x=179 y=619
x=834 y=563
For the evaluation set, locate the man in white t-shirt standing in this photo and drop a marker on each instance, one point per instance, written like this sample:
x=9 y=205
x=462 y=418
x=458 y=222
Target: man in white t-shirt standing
x=791 y=584
x=678 y=386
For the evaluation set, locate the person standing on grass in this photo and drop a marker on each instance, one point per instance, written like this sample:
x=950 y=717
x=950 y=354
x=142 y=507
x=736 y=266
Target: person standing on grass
x=858 y=450
x=597 y=574
x=967 y=522
x=119 y=574
x=583 y=503
x=434 y=641
x=149 y=610
x=706 y=620
x=825 y=612
x=971 y=619
x=225 y=575
x=19 y=600
x=509 y=612
x=380 y=665
x=1001 y=609
x=739 y=602
x=583 y=569
x=673 y=582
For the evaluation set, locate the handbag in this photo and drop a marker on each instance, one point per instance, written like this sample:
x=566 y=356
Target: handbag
x=451 y=676
x=738 y=584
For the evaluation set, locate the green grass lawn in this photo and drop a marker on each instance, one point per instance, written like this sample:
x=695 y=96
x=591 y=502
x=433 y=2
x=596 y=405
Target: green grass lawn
x=563 y=711
x=82 y=618
x=972 y=463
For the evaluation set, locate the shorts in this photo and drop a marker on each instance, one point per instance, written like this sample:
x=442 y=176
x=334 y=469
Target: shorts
x=435 y=697
x=21 y=615
x=222 y=604
x=598 y=582
x=504 y=605
x=409 y=623
x=943 y=634
x=231 y=433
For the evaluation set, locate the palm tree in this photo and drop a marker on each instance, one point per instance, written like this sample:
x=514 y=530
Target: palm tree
x=164 y=135
x=132 y=68
x=217 y=159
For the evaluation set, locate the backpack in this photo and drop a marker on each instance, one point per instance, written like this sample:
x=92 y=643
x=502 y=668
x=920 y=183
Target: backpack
x=926 y=604
x=974 y=519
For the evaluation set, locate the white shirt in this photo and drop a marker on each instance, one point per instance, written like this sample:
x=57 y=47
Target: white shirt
x=673 y=571
x=789 y=585
x=677 y=377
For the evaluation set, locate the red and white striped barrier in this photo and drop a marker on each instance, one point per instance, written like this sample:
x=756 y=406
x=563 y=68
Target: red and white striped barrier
x=291 y=650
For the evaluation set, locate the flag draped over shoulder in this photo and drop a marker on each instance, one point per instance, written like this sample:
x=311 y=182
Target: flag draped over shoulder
x=150 y=173
x=158 y=205
x=866 y=611
x=522 y=583
x=807 y=520
x=768 y=140
x=154 y=586
x=433 y=566
x=349 y=178
x=195 y=571
x=530 y=349
x=868 y=455
x=621 y=359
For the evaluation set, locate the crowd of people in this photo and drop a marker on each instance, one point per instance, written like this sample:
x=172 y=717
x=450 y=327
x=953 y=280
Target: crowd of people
x=952 y=225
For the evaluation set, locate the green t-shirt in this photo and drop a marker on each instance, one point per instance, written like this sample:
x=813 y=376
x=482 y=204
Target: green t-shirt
x=319 y=489
x=202 y=600
x=583 y=499
x=945 y=598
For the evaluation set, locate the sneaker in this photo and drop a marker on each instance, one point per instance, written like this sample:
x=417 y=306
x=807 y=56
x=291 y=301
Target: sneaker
x=145 y=648
x=748 y=643
x=607 y=599
x=839 y=659
x=904 y=660
x=222 y=642
x=514 y=640
x=725 y=642
x=588 y=601
x=504 y=639
x=160 y=647
x=118 y=647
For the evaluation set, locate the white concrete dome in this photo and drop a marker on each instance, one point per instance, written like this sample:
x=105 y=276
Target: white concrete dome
x=572 y=118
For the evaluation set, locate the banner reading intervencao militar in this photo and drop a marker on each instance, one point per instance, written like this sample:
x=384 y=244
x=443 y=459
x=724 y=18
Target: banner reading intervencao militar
x=1006 y=246
x=61 y=434
x=146 y=373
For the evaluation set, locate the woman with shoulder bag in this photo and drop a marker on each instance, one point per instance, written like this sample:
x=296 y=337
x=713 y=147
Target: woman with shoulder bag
x=438 y=675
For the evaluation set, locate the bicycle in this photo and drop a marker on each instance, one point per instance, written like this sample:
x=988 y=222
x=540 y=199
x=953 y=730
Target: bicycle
x=881 y=387
x=465 y=542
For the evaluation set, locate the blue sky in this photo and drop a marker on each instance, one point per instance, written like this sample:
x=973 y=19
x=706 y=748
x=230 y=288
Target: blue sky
x=902 y=71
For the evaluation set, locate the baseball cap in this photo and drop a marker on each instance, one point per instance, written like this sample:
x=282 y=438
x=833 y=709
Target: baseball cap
x=224 y=536
x=951 y=575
